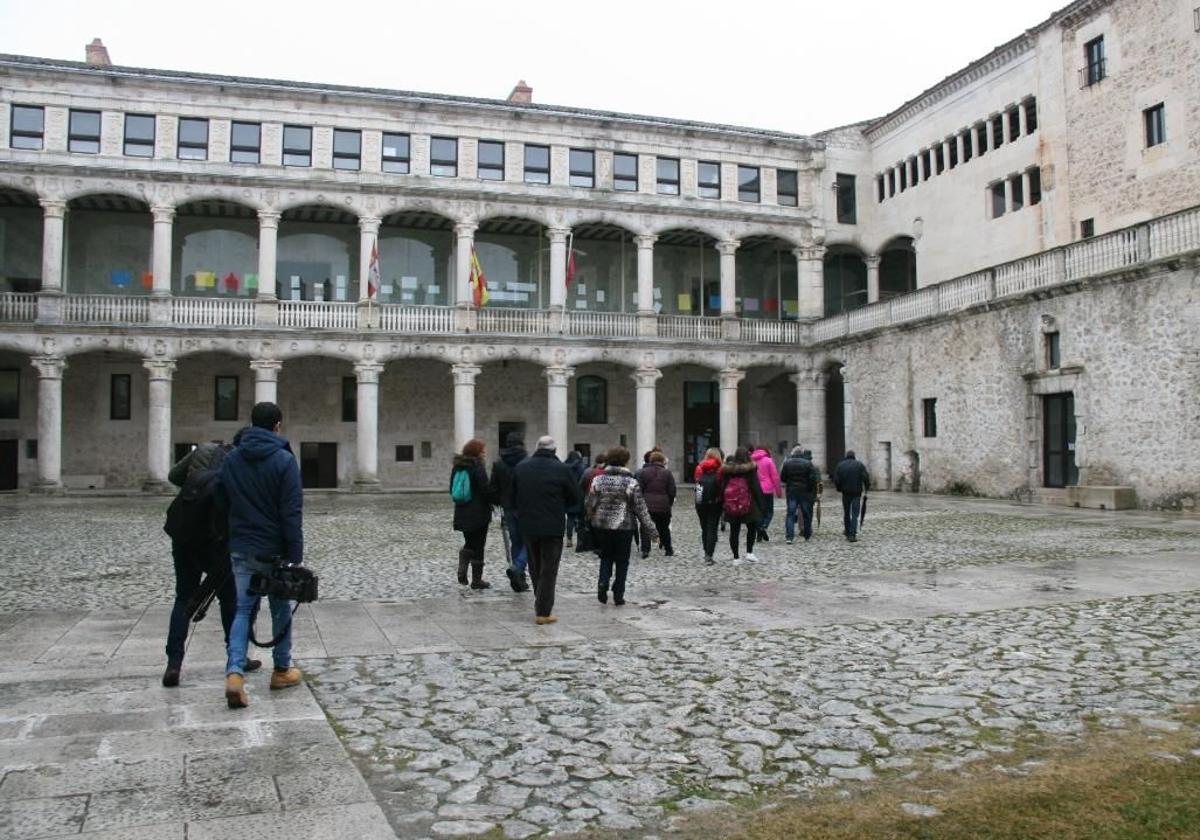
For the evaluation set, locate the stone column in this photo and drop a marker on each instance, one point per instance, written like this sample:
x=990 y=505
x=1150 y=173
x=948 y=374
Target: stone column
x=810 y=280
x=464 y=233
x=646 y=379
x=53 y=213
x=268 y=240
x=810 y=413
x=367 y=427
x=557 y=377
x=164 y=224
x=368 y=232
x=728 y=396
x=158 y=432
x=49 y=423
x=727 y=248
x=645 y=273
x=558 y=267
x=873 y=278
x=464 y=402
x=266 y=379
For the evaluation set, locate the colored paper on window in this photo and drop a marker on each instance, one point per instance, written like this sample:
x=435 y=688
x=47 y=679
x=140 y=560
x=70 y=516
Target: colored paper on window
x=121 y=279
x=251 y=281
x=147 y=280
x=791 y=307
x=771 y=305
x=206 y=280
x=714 y=301
x=685 y=302
x=231 y=282
x=749 y=304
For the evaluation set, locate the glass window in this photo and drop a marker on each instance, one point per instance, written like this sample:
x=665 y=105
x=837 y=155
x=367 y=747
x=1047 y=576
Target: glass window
x=1093 y=56
x=847 y=200
x=997 y=131
x=952 y=151
x=1087 y=228
x=914 y=177
x=939 y=158
x=583 y=168
x=139 y=135
x=879 y=188
x=491 y=160
x=297 y=145
x=119 y=397
x=404 y=452
x=668 y=176
x=1030 y=106
x=1053 y=351
x=1014 y=123
x=1035 y=186
x=981 y=138
x=396 y=157
x=347 y=149
x=787 y=187
x=591 y=400
x=193 y=139
x=749 y=184
x=245 y=142
x=225 y=398
x=708 y=179
x=845 y=282
x=997 y=190
x=1017 y=188
x=10 y=394
x=537 y=164
x=349 y=399
x=926 y=165
x=443 y=157
x=625 y=172
x=28 y=125
x=1156 y=125
x=891 y=179
x=968 y=150
x=903 y=177
x=84 y=132
x=929 y=417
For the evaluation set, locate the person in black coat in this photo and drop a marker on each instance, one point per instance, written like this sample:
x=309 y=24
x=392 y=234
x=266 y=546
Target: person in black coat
x=472 y=517
x=543 y=488
x=851 y=480
x=658 y=488
x=800 y=481
x=512 y=454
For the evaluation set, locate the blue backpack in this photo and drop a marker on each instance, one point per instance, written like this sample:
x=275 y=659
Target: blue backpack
x=460 y=487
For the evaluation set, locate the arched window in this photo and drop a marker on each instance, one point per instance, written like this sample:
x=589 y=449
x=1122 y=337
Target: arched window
x=845 y=282
x=897 y=268
x=591 y=400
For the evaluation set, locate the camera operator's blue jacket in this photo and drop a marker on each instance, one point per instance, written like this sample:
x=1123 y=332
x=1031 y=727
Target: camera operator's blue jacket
x=260 y=487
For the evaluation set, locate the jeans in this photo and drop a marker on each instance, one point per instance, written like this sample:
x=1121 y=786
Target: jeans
x=192 y=561
x=520 y=557
x=614 y=548
x=545 y=553
x=803 y=504
x=239 y=634
x=850 y=505
x=735 y=526
x=768 y=513
x=710 y=523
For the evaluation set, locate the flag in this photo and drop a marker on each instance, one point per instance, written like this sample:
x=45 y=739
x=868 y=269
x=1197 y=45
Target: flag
x=570 y=260
x=231 y=282
x=478 y=283
x=373 y=270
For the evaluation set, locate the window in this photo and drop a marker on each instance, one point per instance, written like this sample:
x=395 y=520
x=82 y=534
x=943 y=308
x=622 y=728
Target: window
x=537 y=164
x=396 y=153
x=891 y=178
x=1030 y=106
x=787 y=190
x=1094 y=64
x=10 y=394
x=939 y=158
x=968 y=150
x=879 y=187
x=297 y=145
x=582 y=168
x=28 y=125
x=749 y=184
x=83 y=134
x=193 y=139
x=245 y=142
x=929 y=417
x=591 y=400
x=347 y=149
x=491 y=160
x=914 y=176
x=903 y=177
x=997 y=199
x=926 y=164
x=667 y=171
x=404 y=452
x=1087 y=228
x=1017 y=189
x=139 y=135
x=708 y=179
x=119 y=396
x=225 y=398
x=426 y=449
x=847 y=201
x=1014 y=123
x=1156 y=125
x=443 y=157
x=997 y=131
x=1035 y=186
x=625 y=172
x=952 y=148
x=349 y=399
x=981 y=138
x=1053 y=351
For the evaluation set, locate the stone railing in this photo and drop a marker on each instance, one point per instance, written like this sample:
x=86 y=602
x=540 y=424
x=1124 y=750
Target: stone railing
x=616 y=324
x=770 y=332
x=105 y=309
x=416 y=319
x=212 y=312
x=18 y=306
x=513 y=321
x=689 y=327
x=318 y=315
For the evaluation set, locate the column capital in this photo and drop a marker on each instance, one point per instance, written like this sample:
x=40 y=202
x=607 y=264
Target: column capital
x=728 y=247
x=160 y=368
x=465 y=229
x=49 y=367
x=162 y=215
x=369 y=224
x=268 y=219
x=810 y=252
x=558 y=375
x=53 y=208
x=872 y=260
x=558 y=235
x=464 y=373
x=368 y=372
x=808 y=379
x=266 y=370
x=645 y=240
x=729 y=378
x=646 y=377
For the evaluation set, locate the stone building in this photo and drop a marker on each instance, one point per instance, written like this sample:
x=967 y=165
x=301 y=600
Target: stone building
x=992 y=288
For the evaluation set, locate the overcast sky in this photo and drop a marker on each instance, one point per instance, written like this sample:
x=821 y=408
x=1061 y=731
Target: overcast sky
x=794 y=66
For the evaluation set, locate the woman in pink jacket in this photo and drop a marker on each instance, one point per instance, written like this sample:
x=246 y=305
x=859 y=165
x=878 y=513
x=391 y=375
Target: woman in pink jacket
x=768 y=479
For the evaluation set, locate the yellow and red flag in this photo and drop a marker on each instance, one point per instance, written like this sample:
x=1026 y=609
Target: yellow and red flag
x=479 y=291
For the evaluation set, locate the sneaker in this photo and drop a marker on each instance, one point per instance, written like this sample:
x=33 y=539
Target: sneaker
x=285 y=678
x=737 y=562
x=789 y=541
x=709 y=561
x=750 y=558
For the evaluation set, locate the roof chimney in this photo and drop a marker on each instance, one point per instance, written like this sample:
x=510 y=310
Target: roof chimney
x=522 y=94
x=97 y=54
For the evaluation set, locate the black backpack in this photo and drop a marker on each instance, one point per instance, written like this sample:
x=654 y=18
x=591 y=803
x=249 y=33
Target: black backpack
x=707 y=492
x=193 y=515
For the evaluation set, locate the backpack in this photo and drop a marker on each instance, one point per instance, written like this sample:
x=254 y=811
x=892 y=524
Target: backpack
x=707 y=493
x=192 y=515
x=460 y=487
x=737 y=497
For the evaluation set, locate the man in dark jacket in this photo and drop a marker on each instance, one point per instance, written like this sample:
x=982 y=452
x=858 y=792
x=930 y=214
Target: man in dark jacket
x=851 y=480
x=512 y=454
x=800 y=479
x=658 y=489
x=543 y=488
x=260 y=487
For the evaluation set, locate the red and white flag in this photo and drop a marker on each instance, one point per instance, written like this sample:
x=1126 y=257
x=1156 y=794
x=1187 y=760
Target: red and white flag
x=570 y=260
x=373 y=270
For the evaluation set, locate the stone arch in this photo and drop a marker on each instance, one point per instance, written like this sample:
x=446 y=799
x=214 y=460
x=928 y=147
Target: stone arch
x=318 y=255
x=82 y=189
x=345 y=203
x=515 y=256
x=766 y=278
x=845 y=279
x=687 y=272
x=897 y=267
x=211 y=194
x=108 y=246
x=792 y=237
x=417 y=249
x=214 y=248
x=21 y=247
x=605 y=274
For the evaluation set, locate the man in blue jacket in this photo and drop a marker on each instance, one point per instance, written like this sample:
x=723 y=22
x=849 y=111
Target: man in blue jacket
x=260 y=486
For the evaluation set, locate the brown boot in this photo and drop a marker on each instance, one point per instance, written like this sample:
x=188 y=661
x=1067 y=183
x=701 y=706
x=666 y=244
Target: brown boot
x=465 y=555
x=235 y=691
x=285 y=678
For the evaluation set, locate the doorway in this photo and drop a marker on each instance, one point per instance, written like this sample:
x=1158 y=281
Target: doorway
x=506 y=428
x=835 y=420
x=318 y=465
x=1058 y=440
x=701 y=423
x=8 y=464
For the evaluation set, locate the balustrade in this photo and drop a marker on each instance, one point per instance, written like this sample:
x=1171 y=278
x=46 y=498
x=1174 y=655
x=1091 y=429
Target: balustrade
x=212 y=312
x=18 y=306
x=106 y=309
x=318 y=315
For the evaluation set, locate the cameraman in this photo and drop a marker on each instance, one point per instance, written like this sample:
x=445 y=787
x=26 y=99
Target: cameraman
x=260 y=487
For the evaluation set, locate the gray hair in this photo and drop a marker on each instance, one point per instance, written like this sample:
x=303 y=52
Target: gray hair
x=798 y=450
x=546 y=442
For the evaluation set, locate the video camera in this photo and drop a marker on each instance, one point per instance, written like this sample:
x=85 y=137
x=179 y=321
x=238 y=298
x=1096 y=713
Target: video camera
x=289 y=582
